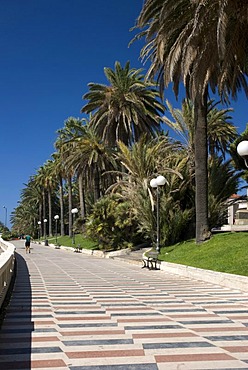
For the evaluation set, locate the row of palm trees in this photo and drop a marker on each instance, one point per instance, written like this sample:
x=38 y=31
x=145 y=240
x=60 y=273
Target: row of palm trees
x=86 y=166
x=202 y=44
x=123 y=110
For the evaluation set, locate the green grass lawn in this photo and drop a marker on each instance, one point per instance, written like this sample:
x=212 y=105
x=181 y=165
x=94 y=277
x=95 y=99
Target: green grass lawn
x=68 y=242
x=225 y=252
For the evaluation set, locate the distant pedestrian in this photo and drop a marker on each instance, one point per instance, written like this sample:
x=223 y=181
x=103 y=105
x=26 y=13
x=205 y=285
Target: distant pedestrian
x=27 y=243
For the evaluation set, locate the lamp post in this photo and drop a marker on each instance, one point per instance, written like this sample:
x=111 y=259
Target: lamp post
x=73 y=211
x=242 y=150
x=39 y=230
x=6 y=211
x=155 y=183
x=56 y=217
x=45 y=222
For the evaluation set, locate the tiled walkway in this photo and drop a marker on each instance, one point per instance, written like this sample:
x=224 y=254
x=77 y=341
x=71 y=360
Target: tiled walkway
x=78 y=312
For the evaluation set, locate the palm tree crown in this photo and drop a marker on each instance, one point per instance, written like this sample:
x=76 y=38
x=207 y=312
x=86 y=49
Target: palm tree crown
x=220 y=131
x=204 y=42
x=124 y=109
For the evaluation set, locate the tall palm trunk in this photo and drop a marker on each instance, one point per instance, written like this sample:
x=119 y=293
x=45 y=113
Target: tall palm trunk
x=49 y=212
x=44 y=210
x=70 y=205
x=201 y=169
x=81 y=196
x=61 y=202
x=96 y=182
x=40 y=226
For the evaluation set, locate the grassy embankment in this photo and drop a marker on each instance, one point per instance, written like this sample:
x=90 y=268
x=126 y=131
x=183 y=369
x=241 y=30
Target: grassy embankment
x=68 y=242
x=227 y=252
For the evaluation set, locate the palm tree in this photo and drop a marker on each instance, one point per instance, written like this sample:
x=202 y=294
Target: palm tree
x=25 y=216
x=59 y=174
x=32 y=193
x=124 y=109
x=48 y=183
x=40 y=182
x=223 y=182
x=183 y=126
x=67 y=136
x=67 y=147
x=220 y=131
x=203 y=44
x=144 y=160
x=90 y=157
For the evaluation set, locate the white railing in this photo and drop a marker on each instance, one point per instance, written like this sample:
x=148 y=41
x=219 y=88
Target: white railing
x=7 y=264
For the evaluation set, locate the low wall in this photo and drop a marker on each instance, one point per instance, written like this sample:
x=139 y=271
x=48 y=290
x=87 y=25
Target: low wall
x=7 y=263
x=219 y=278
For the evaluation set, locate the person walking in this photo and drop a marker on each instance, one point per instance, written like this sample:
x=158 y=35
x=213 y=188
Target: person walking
x=27 y=243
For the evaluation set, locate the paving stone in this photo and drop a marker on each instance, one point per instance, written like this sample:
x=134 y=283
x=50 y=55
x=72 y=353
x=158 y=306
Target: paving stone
x=80 y=312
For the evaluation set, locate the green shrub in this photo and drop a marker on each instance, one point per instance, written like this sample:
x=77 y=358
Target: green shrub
x=6 y=235
x=112 y=224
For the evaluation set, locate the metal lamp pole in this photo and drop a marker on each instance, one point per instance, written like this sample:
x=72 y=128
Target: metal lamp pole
x=56 y=217
x=5 y=224
x=156 y=183
x=39 y=230
x=45 y=222
x=73 y=211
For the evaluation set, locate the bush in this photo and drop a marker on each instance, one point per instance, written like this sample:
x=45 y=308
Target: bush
x=175 y=225
x=6 y=235
x=112 y=224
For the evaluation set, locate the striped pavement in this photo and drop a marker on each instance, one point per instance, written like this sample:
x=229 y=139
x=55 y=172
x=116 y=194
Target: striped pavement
x=79 y=312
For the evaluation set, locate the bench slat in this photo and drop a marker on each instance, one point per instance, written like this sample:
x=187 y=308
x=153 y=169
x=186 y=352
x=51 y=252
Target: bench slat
x=150 y=260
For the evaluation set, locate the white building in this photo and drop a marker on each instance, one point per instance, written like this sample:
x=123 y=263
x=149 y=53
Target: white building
x=237 y=214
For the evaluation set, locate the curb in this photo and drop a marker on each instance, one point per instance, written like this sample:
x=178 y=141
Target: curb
x=231 y=281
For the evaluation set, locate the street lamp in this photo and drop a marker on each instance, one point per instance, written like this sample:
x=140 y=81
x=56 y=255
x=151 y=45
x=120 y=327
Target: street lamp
x=5 y=224
x=73 y=211
x=242 y=150
x=156 y=183
x=45 y=222
x=56 y=217
x=39 y=229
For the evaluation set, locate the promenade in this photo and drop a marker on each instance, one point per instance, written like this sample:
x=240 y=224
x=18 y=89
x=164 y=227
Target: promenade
x=79 y=312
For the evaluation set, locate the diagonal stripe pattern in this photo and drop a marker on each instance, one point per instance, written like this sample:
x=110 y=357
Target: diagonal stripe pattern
x=79 y=312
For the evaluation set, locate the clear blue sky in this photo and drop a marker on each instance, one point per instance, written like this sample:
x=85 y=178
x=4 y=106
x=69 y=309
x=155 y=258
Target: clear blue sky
x=50 y=51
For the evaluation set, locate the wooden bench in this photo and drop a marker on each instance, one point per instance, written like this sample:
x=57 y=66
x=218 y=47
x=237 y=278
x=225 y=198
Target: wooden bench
x=78 y=248
x=150 y=260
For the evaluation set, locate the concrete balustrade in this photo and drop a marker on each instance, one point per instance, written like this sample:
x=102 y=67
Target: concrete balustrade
x=7 y=264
